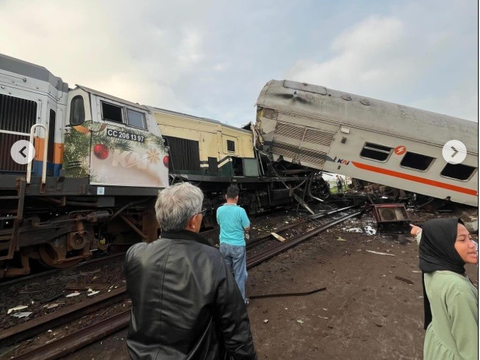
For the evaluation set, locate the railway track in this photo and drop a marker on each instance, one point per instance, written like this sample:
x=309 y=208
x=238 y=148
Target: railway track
x=274 y=247
x=24 y=279
x=259 y=250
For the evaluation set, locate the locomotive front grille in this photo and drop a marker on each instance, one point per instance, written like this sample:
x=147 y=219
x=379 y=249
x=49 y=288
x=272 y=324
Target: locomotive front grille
x=17 y=116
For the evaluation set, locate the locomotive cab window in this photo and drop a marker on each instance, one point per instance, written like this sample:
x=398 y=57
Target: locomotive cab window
x=458 y=171
x=416 y=161
x=77 y=111
x=375 y=152
x=230 y=145
x=136 y=119
x=111 y=112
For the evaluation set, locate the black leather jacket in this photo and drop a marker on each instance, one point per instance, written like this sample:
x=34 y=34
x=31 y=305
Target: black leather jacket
x=185 y=302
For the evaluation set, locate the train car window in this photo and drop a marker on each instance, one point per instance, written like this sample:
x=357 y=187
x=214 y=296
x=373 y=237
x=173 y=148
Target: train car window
x=230 y=145
x=77 y=111
x=111 y=112
x=416 y=161
x=458 y=171
x=375 y=152
x=136 y=119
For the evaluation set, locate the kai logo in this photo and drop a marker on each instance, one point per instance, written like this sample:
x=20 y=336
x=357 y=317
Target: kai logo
x=343 y=161
x=129 y=159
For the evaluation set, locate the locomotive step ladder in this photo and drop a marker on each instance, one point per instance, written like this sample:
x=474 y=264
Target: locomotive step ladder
x=9 y=236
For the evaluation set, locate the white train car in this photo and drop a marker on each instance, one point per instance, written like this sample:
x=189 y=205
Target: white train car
x=369 y=139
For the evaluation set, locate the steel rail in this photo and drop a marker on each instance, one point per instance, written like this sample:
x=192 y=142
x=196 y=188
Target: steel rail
x=75 y=341
x=88 y=335
x=60 y=317
x=27 y=278
x=302 y=221
x=259 y=258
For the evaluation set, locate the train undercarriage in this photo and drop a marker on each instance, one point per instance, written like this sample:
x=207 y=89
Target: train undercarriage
x=62 y=223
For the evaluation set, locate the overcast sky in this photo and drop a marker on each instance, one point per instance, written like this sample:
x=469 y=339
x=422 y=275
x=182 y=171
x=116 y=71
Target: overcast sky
x=212 y=58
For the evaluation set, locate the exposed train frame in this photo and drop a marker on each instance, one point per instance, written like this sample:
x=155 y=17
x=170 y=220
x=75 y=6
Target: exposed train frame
x=213 y=155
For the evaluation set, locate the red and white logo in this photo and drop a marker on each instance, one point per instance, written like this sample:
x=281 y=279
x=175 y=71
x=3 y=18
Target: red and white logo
x=400 y=150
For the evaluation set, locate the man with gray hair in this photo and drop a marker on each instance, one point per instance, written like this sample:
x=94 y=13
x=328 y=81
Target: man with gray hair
x=185 y=302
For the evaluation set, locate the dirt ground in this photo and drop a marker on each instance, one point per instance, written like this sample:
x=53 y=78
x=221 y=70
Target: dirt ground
x=372 y=307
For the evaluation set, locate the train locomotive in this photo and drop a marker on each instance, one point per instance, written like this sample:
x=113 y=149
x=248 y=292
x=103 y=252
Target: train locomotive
x=369 y=139
x=80 y=170
x=97 y=164
x=213 y=155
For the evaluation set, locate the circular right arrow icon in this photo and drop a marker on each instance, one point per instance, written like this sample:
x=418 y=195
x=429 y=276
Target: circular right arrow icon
x=454 y=152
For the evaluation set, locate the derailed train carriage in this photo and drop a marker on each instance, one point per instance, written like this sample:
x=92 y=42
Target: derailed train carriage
x=98 y=163
x=369 y=139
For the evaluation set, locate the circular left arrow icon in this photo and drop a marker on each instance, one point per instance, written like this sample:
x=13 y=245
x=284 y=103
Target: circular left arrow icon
x=22 y=152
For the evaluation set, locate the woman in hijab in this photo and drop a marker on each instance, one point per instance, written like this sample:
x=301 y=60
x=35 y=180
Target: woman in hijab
x=450 y=300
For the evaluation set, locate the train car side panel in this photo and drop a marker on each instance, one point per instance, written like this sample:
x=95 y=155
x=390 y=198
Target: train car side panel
x=202 y=146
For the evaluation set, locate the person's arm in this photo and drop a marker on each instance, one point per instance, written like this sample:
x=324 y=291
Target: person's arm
x=246 y=224
x=416 y=231
x=231 y=315
x=463 y=312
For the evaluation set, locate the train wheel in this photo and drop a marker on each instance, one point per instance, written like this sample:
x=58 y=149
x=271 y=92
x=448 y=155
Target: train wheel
x=54 y=257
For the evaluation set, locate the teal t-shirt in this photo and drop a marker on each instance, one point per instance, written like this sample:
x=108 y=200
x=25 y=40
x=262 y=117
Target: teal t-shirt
x=233 y=220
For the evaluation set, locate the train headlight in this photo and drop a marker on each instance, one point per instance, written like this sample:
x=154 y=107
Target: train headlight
x=165 y=161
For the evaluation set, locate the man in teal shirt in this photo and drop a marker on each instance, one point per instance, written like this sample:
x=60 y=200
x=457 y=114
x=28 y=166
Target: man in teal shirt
x=234 y=227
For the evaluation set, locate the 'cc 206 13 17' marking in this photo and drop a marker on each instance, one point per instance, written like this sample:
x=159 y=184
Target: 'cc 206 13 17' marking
x=125 y=135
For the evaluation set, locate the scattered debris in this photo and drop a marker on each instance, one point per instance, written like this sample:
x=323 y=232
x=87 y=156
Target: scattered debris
x=378 y=253
x=22 y=314
x=341 y=239
x=370 y=230
x=265 y=321
x=17 y=308
x=355 y=230
x=50 y=306
x=410 y=282
x=76 y=293
x=86 y=286
x=278 y=237
x=300 y=321
x=93 y=293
